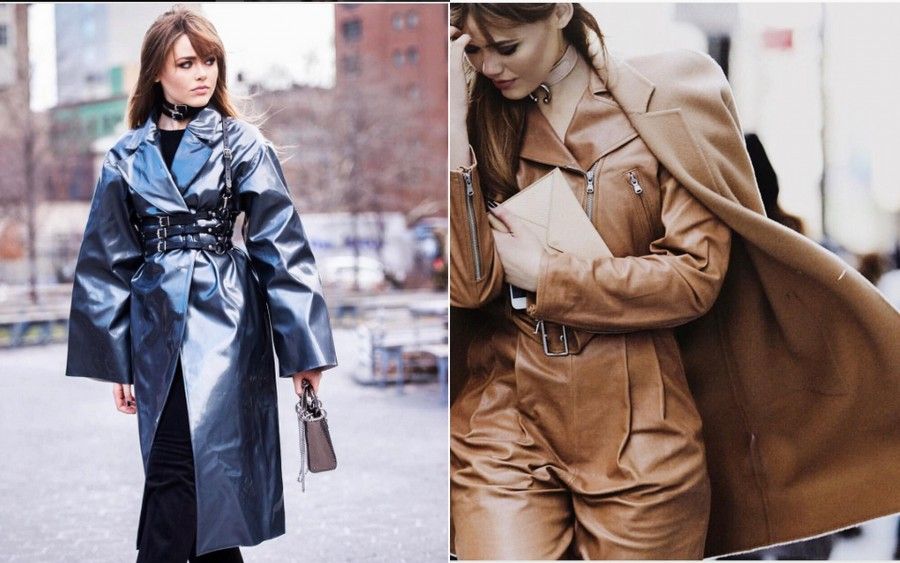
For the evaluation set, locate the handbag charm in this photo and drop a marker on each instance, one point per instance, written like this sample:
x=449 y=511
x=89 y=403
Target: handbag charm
x=316 y=449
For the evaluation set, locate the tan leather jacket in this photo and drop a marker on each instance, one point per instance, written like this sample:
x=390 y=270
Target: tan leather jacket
x=793 y=361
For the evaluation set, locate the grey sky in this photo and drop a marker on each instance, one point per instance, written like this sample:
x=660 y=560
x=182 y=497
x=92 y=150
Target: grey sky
x=259 y=38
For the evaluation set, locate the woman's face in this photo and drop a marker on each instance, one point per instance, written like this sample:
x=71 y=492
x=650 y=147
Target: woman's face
x=185 y=78
x=520 y=57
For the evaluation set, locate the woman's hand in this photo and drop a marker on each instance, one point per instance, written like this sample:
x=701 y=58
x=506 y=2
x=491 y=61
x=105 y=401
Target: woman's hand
x=459 y=98
x=313 y=376
x=124 y=398
x=520 y=251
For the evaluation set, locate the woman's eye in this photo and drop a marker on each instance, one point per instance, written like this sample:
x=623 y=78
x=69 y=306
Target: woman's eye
x=211 y=61
x=471 y=49
x=186 y=64
x=507 y=50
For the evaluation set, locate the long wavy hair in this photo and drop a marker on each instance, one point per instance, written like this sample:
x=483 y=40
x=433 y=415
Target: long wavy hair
x=496 y=126
x=147 y=96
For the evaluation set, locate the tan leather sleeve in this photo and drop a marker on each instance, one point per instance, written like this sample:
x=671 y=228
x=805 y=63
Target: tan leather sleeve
x=476 y=275
x=677 y=282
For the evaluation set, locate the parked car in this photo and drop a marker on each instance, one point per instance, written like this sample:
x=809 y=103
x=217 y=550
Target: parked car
x=344 y=272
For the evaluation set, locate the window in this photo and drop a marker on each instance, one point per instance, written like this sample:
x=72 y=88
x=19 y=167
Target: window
x=397 y=21
x=397 y=57
x=351 y=64
x=4 y=37
x=351 y=30
x=412 y=19
x=412 y=55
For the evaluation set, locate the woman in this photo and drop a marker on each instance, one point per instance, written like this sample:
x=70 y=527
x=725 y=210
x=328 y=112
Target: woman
x=697 y=393
x=164 y=302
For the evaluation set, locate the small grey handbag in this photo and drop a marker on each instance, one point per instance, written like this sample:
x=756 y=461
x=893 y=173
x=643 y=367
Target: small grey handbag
x=316 y=449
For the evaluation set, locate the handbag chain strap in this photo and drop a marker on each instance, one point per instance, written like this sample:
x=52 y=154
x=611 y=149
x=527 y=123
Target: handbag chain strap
x=308 y=408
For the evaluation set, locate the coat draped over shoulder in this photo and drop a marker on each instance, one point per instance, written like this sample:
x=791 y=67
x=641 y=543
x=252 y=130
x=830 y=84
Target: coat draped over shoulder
x=225 y=317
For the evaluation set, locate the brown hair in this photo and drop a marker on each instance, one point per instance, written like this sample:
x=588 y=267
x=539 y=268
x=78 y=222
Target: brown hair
x=158 y=41
x=496 y=126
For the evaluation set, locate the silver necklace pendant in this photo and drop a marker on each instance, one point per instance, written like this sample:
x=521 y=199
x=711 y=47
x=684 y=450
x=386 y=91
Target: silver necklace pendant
x=547 y=95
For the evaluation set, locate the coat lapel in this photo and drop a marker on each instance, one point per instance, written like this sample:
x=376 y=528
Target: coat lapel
x=195 y=148
x=664 y=131
x=145 y=170
x=542 y=144
x=192 y=154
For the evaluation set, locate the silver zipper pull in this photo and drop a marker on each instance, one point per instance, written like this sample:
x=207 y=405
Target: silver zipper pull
x=635 y=183
x=590 y=181
x=470 y=191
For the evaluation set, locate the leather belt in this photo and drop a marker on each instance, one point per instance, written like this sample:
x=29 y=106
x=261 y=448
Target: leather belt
x=556 y=339
x=209 y=229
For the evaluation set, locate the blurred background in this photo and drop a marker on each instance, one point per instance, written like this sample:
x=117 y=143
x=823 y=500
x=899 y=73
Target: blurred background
x=816 y=90
x=355 y=98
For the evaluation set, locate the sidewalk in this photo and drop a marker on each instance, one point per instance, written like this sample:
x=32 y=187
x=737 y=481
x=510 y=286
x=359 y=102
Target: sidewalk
x=72 y=479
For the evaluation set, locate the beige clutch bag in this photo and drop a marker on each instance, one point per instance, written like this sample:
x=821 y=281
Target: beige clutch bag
x=549 y=209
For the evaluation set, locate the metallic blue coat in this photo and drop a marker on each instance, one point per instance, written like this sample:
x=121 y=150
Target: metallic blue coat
x=132 y=316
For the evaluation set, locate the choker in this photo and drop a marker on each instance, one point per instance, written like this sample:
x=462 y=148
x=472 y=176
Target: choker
x=179 y=112
x=560 y=70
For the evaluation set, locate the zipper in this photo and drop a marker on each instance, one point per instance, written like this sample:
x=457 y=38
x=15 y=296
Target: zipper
x=635 y=183
x=638 y=190
x=589 y=196
x=470 y=213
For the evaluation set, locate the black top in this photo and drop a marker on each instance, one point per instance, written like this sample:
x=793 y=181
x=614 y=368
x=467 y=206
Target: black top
x=168 y=144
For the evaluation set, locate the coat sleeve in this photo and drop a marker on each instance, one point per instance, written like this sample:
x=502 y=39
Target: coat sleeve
x=476 y=275
x=99 y=344
x=281 y=256
x=677 y=282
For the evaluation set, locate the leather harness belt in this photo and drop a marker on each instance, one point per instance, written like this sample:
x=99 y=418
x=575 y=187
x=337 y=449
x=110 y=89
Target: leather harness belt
x=204 y=229
x=208 y=229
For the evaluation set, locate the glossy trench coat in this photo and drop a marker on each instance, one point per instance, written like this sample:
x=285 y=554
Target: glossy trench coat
x=795 y=368
x=133 y=316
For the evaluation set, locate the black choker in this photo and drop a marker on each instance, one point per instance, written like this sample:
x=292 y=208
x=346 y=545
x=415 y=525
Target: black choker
x=179 y=112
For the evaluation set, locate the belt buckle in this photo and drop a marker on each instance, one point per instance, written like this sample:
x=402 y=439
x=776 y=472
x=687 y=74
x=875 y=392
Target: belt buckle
x=162 y=232
x=545 y=337
x=163 y=220
x=161 y=245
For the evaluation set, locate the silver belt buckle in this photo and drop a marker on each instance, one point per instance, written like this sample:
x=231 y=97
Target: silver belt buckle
x=545 y=337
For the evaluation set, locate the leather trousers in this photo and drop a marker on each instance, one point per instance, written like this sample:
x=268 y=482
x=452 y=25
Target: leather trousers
x=598 y=452
x=168 y=521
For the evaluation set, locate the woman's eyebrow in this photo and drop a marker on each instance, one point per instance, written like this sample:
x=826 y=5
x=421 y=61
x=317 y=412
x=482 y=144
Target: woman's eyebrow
x=495 y=44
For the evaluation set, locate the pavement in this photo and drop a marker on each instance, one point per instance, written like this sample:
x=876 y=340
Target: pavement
x=71 y=486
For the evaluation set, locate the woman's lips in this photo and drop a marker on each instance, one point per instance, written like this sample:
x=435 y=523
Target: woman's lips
x=200 y=90
x=504 y=84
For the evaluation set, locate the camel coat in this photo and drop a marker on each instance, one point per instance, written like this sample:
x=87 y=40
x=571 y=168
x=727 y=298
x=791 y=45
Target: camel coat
x=795 y=366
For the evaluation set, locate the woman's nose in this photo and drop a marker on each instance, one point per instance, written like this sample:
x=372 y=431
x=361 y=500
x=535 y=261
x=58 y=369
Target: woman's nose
x=491 y=67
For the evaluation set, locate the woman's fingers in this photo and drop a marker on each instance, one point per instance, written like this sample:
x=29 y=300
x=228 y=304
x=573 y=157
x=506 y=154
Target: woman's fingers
x=508 y=219
x=129 y=396
x=124 y=398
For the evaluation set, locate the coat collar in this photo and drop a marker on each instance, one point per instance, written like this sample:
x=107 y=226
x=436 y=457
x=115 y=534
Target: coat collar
x=542 y=144
x=145 y=170
x=203 y=126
